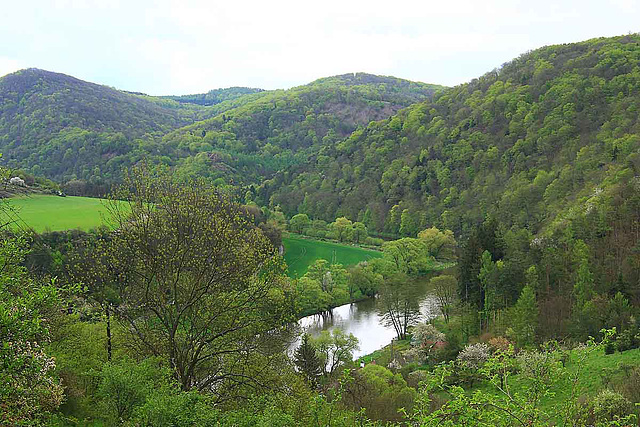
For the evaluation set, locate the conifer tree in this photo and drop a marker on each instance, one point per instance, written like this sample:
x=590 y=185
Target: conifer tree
x=583 y=286
x=307 y=361
x=525 y=317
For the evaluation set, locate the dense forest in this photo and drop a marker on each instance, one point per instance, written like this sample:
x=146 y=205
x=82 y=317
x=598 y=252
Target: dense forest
x=62 y=128
x=515 y=198
x=284 y=128
x=531 y=139
x=536 y=162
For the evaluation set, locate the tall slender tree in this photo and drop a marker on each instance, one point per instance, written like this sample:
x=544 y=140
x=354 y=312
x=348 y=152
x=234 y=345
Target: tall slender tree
x=398 y=305
x=307 y=361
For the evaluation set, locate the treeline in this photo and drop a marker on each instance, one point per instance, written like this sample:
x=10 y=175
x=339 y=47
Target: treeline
x=341 y=230
x=584 y=275
x=326 y=285
x=215 y=96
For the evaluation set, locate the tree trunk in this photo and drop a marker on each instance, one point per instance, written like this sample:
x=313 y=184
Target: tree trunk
x=108 y=312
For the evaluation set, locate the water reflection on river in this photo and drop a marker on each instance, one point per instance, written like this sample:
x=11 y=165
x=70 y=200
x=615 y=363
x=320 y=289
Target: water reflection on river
x=362 y=320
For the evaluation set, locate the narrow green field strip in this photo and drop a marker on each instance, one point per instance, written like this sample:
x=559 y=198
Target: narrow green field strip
x=299 y=253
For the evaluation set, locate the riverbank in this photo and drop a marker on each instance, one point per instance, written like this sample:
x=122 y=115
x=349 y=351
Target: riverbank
x=422 y=281
x=363 y=320
x=386 y=354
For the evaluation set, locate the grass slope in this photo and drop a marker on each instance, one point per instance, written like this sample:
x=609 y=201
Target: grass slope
x=592 y=372
x=595 y=371
x=53 y=213
x=299 y=253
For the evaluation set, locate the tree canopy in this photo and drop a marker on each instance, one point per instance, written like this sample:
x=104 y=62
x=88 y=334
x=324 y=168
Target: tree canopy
x=203 y=288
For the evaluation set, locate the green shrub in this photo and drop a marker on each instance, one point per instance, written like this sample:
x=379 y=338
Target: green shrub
x=126 y=384
x=609 y=348
x=374 y=241
x=610 y=406
x=169 y=407
x=381 y=392
x=628 y=340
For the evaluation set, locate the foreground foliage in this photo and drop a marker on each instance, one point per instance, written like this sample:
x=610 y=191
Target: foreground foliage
x=541 y=374
x=29 y=388
x=203 y=287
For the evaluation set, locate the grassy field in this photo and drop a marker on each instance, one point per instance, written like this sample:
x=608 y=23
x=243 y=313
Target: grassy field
x=592 y=371
x=54 y=213
x=299 y=253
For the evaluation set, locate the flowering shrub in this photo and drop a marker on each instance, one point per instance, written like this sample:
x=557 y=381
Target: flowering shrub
x=536 y=364
x=474 y=355
x=16 y=180
x=426 y=339
x=28 y=389
x=426 y=334
x=26 y=378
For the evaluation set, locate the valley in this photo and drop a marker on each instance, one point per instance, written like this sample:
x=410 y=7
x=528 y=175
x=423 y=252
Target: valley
x=490 y=232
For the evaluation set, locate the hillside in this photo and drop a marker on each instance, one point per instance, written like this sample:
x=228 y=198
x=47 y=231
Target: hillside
x=550 y=128
x=61 y=127
x=536 y=163
x=283 y=128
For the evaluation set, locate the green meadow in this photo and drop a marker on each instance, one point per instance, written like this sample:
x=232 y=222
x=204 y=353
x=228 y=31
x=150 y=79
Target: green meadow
x=54 y=213
x=299 y=253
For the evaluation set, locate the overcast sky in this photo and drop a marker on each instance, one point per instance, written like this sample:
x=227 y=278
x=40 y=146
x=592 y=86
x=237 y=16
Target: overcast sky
x=182 y=46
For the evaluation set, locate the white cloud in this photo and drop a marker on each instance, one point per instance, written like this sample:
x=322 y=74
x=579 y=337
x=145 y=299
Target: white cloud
x=182 y=46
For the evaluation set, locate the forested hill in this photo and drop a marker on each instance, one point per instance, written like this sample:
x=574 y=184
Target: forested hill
x=551 y=133
x=62 y=127
x=65 y=129
x=282 y=128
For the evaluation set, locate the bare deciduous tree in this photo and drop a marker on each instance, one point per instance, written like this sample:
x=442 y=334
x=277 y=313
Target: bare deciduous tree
x=445 y=290
x=398 y=304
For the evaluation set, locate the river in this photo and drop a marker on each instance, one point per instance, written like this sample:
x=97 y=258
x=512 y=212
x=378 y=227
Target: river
x=362 y=320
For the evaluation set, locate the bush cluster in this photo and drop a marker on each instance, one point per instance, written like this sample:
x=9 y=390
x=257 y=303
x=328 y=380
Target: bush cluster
x=626 y=340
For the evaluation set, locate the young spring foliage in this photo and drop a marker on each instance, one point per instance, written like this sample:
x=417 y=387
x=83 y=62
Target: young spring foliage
x=202 y=287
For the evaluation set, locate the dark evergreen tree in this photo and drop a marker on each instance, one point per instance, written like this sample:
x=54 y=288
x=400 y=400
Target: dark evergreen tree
x=469 y=288
x=484 y=237
x=307 y=361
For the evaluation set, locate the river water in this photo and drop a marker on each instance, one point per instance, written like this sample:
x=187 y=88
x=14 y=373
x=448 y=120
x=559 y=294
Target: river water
x=362 y=320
